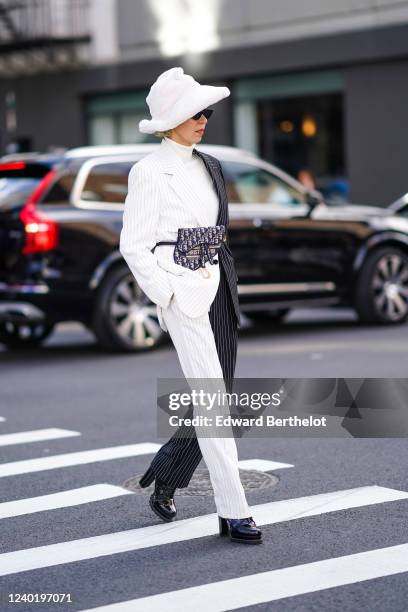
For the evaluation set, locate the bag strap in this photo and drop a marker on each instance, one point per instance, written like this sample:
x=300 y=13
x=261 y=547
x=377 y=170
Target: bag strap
x=163 y=242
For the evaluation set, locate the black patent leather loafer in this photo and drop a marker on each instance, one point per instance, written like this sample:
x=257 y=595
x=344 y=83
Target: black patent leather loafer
x=161 y=501
x=242 y=530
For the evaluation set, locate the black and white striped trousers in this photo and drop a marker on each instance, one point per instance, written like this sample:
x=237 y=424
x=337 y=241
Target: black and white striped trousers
x=177 y=459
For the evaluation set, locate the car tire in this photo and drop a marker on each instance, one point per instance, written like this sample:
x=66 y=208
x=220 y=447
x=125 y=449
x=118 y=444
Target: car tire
x=381 y=291
x=268 y=316
x=123 y=318
x=22 y=336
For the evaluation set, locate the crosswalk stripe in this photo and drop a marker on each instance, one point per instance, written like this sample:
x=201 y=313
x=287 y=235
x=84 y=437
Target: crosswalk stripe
x=69 y=459
x=187 y=529
x=36 y=435
x=2 y=419
x=262 y=465
x=269 y=586
x=98 y=492
x=62 y=499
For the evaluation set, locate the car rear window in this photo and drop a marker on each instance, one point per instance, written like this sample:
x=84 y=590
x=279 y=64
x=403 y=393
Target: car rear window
x=18 y=180
x=60 y=190
x=107 y=182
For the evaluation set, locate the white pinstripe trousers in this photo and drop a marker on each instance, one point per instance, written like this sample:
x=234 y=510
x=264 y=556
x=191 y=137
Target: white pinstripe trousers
x=196 y=348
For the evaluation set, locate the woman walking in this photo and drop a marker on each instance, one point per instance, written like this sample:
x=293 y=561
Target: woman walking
x=178 y=192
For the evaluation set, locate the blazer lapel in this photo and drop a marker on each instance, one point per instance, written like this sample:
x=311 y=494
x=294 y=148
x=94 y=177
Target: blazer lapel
x=218 y=185
x=185 y=187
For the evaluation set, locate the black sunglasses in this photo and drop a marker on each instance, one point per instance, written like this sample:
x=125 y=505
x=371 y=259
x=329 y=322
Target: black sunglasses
x=207 y=112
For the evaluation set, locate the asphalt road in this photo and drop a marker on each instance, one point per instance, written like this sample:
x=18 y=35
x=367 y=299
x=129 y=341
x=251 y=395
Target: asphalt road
x=76 y=420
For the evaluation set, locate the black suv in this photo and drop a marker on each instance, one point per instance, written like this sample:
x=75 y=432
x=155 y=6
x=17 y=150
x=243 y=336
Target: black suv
x=60 y=223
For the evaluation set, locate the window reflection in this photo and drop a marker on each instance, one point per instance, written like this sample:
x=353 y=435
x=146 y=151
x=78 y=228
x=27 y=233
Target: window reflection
x=107 y=183
x=248 y=184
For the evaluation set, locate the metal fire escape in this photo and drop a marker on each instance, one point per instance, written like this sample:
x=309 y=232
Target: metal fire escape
x=38 y=35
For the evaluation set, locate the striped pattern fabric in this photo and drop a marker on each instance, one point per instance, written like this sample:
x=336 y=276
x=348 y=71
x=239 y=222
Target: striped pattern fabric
x=227 y=261
x=161 y=198
x=137 y=237
x=197 y=350
x=199 y=175
x=176 y=461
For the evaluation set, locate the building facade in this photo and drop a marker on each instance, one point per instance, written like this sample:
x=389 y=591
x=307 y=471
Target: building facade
x=321 y=85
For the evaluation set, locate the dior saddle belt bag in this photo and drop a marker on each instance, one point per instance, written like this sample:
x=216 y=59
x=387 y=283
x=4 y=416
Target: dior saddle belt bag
x=196 y=245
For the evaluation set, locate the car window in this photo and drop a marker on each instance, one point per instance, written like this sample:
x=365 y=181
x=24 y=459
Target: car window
x=107 y=182
x=403 y=210
x=18 y=180
x=248 y=184
x=59 y=192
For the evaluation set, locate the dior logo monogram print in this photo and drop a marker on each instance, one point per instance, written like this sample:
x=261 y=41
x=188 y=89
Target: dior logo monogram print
x=197 y=245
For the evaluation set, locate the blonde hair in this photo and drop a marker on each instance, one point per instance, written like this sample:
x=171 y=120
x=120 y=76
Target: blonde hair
x=167 y=134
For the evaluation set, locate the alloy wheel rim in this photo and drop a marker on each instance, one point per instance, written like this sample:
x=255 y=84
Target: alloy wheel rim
x=133 y=315
x=390 y=287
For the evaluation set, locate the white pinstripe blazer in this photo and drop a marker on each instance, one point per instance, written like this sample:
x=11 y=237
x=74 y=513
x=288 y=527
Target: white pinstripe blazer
x=161 y=198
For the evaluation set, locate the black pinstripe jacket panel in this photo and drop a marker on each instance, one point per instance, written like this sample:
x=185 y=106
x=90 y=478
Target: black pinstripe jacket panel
x=226 y=259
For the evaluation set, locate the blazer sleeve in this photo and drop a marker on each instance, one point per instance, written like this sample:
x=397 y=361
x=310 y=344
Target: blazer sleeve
x=138 y=234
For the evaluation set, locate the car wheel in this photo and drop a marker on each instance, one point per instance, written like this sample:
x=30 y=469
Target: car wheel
x=268 y=316
x=124 y=318
x=381 y=294
x=24 y=335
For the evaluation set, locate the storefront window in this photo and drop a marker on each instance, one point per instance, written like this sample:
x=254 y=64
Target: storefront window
x=117 y=128
x=114 y=118
x=304 y=133
x=102 y=130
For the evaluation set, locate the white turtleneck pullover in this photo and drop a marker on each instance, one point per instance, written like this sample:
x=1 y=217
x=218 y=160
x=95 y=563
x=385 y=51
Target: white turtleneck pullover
x=200 y=176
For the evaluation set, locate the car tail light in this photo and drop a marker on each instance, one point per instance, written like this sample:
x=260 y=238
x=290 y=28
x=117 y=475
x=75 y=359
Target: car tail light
x=41 y=233
x=12 y=166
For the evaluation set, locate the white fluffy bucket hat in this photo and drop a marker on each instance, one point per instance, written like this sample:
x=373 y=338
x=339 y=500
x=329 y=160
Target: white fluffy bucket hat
x=175 y=97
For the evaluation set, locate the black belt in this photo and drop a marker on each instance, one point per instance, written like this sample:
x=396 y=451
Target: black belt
x=164 y=242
